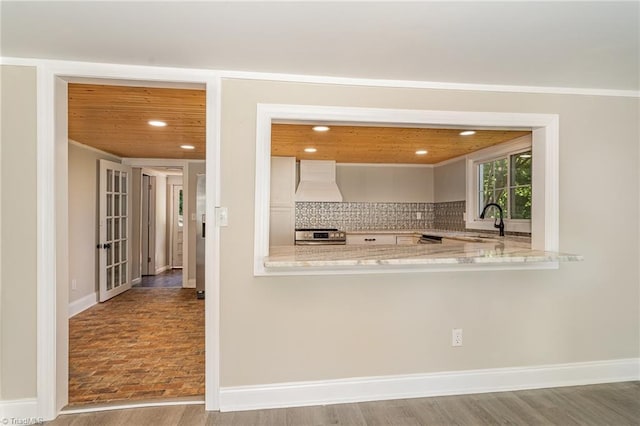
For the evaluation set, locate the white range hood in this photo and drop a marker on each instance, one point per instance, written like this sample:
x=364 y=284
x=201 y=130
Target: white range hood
x=318 y=181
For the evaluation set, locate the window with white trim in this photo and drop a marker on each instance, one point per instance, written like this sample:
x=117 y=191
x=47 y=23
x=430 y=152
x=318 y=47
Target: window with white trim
x=501 y=175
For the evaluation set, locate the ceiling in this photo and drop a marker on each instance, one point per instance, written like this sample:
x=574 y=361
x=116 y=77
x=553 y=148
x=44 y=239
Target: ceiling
x=366 y=144
x=115 y=119
x=551 y=44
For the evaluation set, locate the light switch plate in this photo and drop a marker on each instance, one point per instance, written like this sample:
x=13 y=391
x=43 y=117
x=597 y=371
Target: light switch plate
x=222 y=216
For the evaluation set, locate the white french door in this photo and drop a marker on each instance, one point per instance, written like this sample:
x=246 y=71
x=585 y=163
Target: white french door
x=115 y=229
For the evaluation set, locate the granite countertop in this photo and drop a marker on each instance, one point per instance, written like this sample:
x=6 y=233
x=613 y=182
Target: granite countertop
x=465 y=235
x=491 y=251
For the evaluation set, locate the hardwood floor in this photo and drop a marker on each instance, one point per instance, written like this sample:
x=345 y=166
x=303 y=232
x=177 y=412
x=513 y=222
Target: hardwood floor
x=171 y=278
x=609 y=404
x=142 y=344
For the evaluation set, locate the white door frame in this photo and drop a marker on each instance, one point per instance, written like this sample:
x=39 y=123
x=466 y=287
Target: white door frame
x=53 y=238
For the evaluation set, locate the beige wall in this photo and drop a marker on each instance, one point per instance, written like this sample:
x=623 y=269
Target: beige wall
x=304 y=328
x=385 y=183
x=83 y=218
x=19 y=238
x=450 y=182
x=280 y=329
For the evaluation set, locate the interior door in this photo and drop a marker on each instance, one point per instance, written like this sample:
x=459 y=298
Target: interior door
x=177 y=227
x=115 y=229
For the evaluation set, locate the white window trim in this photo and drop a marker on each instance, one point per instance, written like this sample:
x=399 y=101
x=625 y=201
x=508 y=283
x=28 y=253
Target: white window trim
x=545 y=173
x=472 y=221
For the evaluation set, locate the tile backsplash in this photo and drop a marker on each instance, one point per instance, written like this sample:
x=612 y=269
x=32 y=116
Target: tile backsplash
x=363 y=216
x=449 y=215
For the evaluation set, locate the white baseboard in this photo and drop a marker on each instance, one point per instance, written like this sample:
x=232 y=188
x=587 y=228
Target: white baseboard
x=82 y=304
x=20 y=411
x=191 y=283
x=136 y=281
x=298 y=394
x=162 y=269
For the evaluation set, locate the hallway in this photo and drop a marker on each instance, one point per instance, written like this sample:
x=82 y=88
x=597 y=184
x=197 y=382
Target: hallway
x=171 y=278
x=144 y=344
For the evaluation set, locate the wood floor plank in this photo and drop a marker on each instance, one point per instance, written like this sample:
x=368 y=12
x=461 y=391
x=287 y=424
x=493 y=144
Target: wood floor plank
x=193 y=415
x=429 y=412
x=308 y=416
x=347 y=414
x=608 y=404
x=385 y=413
x=157 y=416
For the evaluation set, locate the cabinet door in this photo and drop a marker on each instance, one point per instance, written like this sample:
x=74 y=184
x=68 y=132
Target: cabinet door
x=283 y=181
x=282 y=225
x=371 y=239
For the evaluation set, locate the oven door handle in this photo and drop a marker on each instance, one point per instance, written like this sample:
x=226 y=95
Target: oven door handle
x=320 y=243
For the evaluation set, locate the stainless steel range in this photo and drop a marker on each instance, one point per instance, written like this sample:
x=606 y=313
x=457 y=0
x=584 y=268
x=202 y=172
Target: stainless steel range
x=320 y=236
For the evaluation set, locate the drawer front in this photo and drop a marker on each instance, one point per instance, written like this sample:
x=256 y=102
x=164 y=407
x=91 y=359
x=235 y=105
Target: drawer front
x=371 y=239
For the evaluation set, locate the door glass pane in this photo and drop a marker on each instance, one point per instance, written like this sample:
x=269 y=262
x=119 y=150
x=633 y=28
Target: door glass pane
x=116 y=252
x=109 y=230
x=123 y=273
x=123 y=201
x=109 y=205
x=123 y=251
x=109 y=180
x=123 y=227
x=116 y=205
x=109 y=278
x=116 y=181
x=116 y=229
x=109 y=256
x=124 y=183
x=116 y=276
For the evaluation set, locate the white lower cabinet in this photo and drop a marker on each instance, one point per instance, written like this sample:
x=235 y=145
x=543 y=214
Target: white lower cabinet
x=407 y=239
x=371 y=239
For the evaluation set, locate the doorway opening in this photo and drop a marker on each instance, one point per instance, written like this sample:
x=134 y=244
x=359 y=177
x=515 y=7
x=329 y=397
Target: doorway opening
x=144 y=339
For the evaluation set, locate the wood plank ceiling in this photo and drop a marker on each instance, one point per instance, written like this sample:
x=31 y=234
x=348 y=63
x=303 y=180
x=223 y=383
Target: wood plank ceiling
x=358 y=144
x=115 y=119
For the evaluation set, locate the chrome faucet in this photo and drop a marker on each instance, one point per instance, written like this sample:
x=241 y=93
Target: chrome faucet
x=498 y=223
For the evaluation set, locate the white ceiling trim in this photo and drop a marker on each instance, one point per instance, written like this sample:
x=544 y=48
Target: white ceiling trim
x=349 y=81
x=97 y=70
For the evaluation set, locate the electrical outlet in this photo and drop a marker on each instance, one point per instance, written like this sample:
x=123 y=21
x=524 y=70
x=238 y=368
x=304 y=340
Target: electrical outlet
x=74 y=284
x=456 y=337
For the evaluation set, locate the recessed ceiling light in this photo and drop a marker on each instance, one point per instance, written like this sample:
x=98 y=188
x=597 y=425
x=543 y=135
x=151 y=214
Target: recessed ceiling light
x=468 y=133
x=187 y=147
x=421 y=152
x=157 y=123
x=320 y=128
x=310 y=150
